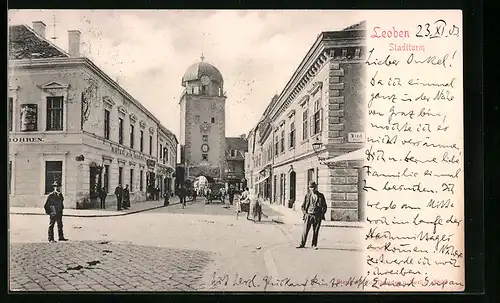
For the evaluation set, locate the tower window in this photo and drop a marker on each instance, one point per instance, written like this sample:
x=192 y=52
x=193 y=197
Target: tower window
x=197 y=119
x=212 y=119
x=204 y=157
x=205 y=138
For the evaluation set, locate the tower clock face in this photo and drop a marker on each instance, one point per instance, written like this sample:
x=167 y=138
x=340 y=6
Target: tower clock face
x=205 y=80
x=205 y=127
x=205 y=148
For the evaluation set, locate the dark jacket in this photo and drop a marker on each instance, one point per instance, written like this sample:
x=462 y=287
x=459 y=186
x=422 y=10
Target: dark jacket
x=119 y=192
x=182 y=192
x=126 y=194
x=319 y=208
x=103 y=193
x=54 y=205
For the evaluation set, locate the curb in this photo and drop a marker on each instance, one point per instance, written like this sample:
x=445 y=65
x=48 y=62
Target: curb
x=323 y=224
x=97 y=216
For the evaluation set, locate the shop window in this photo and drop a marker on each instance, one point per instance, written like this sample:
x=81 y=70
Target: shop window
x=120 y=175
x=132 y=133
x=106 y=123
x=120 y=130
x=54 y=113
x=106 y=178
x=141 y=141
x=131 y=180
x=53 y=172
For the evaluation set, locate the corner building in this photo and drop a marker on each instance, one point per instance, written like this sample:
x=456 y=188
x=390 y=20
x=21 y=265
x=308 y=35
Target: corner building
x=321 y=106
x=71 y=122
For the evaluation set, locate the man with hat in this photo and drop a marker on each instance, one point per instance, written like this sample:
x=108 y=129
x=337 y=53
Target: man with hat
x=54 y=208
x=314 y=210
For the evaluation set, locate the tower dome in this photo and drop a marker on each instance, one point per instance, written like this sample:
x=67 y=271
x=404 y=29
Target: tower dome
x=197 y=70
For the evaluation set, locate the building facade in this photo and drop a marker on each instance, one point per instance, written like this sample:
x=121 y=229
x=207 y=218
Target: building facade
x=314 y=130
x=70 y=122
x=236 y=148
x=203 y=129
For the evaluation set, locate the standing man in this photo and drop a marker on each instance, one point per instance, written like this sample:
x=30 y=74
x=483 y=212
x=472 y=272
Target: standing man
x=103 y=193
x=119 y=196
x=182 y=195
x=314 y=209
x=126 y=197
x=230 y=193
x=54 y=208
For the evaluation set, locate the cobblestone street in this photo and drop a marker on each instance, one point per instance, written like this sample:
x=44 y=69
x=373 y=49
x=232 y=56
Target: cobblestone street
x=200 y=247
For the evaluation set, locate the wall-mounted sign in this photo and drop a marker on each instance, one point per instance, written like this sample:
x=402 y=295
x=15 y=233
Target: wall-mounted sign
x=29 y=117
x=26 y=140
x=356 y=137
x=127 y=153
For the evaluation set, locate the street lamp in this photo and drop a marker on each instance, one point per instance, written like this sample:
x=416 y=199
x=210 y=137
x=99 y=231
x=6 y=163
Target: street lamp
x=317 y=144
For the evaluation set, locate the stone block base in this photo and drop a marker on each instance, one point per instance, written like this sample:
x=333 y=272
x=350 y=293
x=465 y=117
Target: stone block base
x=346 y=215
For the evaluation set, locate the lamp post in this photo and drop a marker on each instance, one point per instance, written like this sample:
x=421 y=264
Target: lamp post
x=317 y=144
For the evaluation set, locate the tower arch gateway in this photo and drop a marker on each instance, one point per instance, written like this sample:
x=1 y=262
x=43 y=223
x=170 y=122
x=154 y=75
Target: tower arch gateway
x=203 y=116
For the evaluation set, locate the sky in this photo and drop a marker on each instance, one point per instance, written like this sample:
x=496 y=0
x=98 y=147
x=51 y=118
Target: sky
x=148 y=51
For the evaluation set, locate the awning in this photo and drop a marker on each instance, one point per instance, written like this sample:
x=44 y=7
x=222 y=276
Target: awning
x=262 y=180
x=354 y=155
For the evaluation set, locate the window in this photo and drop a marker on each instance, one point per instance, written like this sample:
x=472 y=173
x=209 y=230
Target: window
x=231 y=167
x=165 y=154
x=205 y=138
x=132 y=134
x=304 y=124
x=196 y=90
x=106 y=123
x=54 y=113
x=150 y=145
x=232 y=152
x=131 y=179
x=276 y=144
x=106 y=177
x=161 y=151
x=291 y=138
x=212 y=120
x=120 y=175
x=10 y=176
x=53 y=172
x=197 y=118
x=310 y=176
x=11 y=112
x=204 y=90
x=204 y=157
x=141 y=141
x=120 y=130
x=141 y=180
x=317 y=117
x=282 y=139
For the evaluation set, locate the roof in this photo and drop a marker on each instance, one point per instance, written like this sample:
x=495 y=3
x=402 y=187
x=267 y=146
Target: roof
x=356 y=27
x=24 y=43
x=195 y=71
x=236 y=143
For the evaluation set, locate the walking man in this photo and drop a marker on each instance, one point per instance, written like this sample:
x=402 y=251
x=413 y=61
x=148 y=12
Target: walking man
x=119 y=196
x=182 y=195
x=54 y=208
x=126 y=197
x=314 y=209
x=230 y=194
x=103 y=193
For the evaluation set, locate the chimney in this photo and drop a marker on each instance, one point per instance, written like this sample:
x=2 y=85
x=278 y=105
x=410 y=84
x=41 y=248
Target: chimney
x=74 y=43
x=39 y=28
x=243 y=136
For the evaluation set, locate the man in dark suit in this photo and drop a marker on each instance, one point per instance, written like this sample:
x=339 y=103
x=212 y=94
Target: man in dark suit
x=314 y=209
x=119 y=196
x=182 y=193
x=126 y=197
x=54 y=208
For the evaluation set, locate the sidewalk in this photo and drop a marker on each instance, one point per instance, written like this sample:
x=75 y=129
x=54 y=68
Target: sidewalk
x=92 y=213
x=294 y=217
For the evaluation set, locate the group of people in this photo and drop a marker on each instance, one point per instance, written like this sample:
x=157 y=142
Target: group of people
x=122 y=197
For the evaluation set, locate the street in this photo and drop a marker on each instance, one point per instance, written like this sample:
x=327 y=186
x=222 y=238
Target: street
x=201 y=247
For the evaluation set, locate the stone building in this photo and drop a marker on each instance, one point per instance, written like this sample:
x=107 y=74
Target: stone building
x=203 y=128
x=71 y=122
x=314 y=130
x=236 y=147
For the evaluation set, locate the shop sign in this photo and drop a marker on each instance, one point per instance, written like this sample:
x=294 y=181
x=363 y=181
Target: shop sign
x=356 y=137
x=26 y=139
x=127 y=153
x=29 y=118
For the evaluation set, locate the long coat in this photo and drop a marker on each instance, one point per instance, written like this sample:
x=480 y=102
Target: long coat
x=55 y=204
x=119 y=192
x=320 y=206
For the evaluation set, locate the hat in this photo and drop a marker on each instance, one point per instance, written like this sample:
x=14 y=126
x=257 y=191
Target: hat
x=55 y=183
x=312 y=184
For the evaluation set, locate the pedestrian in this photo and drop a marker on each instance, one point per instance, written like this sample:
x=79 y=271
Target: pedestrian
x=126 y=197
x=103 y=193
x=166 y=197
x=182 y=195
x=195 y=193
x=314 y=209
x=254 y=205
x=230 y=194
x=208 y=195
x=119 y=196
x=54 y=207
x=157 y=193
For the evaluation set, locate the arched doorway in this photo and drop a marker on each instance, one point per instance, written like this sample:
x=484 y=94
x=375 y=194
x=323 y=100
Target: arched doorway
x=292 y=188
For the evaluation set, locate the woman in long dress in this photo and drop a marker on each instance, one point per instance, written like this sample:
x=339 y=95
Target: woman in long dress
x=254 y=205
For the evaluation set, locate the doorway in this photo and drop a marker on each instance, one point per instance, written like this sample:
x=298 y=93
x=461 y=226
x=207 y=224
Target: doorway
x=292 y=189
